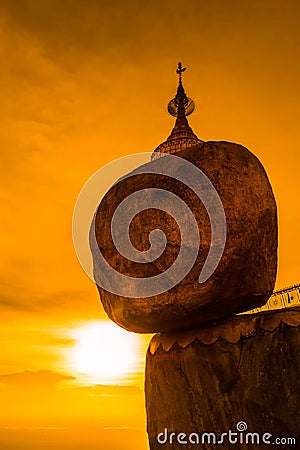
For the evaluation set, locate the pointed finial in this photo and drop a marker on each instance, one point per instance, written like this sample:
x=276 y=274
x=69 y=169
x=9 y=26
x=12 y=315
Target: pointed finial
x=179 y=71
x=180 y=105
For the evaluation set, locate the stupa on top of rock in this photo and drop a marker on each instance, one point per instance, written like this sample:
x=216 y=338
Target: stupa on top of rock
x=182 y=135
x=234 y=217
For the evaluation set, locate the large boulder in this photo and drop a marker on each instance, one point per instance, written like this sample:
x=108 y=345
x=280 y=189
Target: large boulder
x=244 y=270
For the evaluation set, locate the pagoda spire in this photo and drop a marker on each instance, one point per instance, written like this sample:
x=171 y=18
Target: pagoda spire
x=182 y=135
x=180 y=107
x=184 y=106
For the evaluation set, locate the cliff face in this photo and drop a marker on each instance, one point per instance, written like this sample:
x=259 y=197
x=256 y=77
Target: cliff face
x=207 y=380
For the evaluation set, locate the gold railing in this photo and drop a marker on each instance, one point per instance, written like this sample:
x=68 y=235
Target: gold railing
x=282 y=298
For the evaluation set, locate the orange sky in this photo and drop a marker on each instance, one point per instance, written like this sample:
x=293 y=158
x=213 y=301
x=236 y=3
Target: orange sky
x=84 y=82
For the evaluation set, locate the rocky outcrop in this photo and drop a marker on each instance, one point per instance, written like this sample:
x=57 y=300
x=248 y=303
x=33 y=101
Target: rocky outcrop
x=207 y=380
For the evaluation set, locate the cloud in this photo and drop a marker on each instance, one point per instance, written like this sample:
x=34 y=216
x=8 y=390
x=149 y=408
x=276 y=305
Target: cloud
x=27 y=380
x=17 y=299
x=13 y=304
x=73 y=33
x=103 y=390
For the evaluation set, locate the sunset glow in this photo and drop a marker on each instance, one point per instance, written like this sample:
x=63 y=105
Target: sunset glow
x=82 y=84
x=105 y=351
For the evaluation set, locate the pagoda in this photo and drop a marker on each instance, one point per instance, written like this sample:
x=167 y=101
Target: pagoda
x=182 y=135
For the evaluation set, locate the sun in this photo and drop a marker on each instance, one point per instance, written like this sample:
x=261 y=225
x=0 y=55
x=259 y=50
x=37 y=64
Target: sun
x=105 y=351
